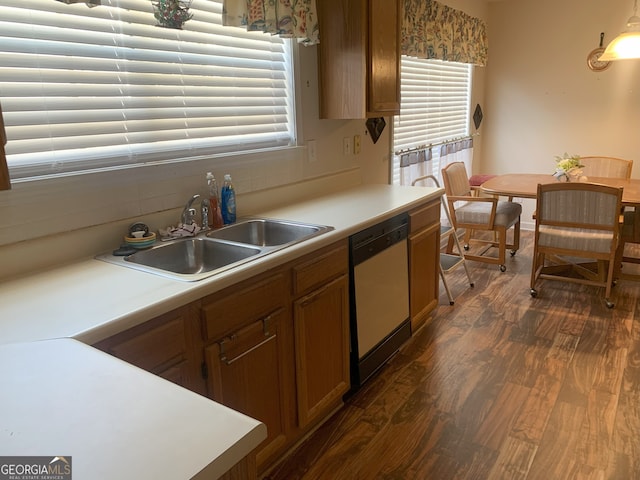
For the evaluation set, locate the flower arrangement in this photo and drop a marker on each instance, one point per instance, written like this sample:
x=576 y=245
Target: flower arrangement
x=566 y=162
x=568 y=168
x=172 y=13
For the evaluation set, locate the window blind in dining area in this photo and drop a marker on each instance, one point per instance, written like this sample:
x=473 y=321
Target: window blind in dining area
x=90 y=88
x=434 y=105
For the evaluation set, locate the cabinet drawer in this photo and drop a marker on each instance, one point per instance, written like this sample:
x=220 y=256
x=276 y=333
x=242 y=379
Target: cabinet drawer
x=153 y=346
x=424 y=216
x=321 y=268
x=234 y=307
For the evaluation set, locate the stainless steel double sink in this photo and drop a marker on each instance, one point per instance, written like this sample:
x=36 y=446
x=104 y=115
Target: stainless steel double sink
x=196 y=258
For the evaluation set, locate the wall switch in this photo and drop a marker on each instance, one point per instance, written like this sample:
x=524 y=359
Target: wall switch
x=346 y=146
x=356 y=144
x=311 y=151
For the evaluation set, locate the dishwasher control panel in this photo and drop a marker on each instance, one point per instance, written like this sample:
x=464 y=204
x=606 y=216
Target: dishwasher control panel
x=367 y=243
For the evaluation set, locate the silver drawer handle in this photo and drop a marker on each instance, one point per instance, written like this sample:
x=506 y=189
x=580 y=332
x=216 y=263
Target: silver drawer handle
x=246 y=352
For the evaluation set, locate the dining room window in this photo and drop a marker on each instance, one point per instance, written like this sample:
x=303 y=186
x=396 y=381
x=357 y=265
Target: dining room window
x=85 y=88
x=434 y=108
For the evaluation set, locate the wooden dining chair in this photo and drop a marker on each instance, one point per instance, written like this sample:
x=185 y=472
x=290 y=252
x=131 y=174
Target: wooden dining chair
x=448 y=262
x=629 y=233
x=606 y=167
x=576 y=222
x=612 y=167
x=480 y=214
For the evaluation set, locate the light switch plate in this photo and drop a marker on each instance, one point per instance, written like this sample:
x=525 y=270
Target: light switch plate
x=356 y=144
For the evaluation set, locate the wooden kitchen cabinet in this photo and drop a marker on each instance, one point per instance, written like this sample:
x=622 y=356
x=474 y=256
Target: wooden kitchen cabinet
x=424 y=261
x=248 y=345
x=246 y=374
x=359 y=58
x=321 y=327
x=277 y=346
x=165 y=346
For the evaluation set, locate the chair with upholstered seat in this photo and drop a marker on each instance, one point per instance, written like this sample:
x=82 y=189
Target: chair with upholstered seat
x=629 y=233
x=606 y=167
x=575 y=222
x=480 y=214
x=447 y=261
x=613 y=167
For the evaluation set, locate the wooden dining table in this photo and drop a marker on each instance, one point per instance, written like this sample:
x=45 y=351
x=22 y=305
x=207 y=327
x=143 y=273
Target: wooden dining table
x=525 y=185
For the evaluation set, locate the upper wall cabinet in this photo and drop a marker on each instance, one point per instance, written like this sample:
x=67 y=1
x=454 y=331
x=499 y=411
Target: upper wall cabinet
x=359 y=58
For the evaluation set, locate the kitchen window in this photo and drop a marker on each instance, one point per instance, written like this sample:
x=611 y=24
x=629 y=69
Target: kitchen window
x=104 y=87
x=434 y=107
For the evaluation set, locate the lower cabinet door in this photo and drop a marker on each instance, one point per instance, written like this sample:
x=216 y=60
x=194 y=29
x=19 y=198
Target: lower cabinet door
x=321 y=326
x=424 y=262
x=245 y=373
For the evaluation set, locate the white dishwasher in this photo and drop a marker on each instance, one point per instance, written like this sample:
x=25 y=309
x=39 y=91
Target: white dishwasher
x=379 y=293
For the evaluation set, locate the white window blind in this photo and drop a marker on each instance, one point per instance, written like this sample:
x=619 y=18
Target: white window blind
x=434 y=105
x=84 y=88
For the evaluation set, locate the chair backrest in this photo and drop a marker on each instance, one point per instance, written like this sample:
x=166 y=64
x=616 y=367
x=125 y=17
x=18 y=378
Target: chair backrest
x=606 y=167
x=456 y=181
x=579 y=206
x=578 y=219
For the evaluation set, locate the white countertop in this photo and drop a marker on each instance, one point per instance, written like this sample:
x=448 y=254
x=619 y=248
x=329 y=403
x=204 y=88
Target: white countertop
x=60 y=397
x=91 y=300
x=74 y=401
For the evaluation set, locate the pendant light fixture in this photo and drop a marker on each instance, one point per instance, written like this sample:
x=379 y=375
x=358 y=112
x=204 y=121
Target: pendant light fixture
x=627 y=44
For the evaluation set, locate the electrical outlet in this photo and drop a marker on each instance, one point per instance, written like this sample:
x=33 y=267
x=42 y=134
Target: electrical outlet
x=311 y=151
x=346 y=146
x=356 y=144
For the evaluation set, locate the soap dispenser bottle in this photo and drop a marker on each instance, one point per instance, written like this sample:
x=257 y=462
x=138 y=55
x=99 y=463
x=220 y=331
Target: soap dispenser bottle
x=215 y=213
x=228 y=200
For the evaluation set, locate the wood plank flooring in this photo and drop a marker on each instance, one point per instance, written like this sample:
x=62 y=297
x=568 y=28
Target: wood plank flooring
x=497 y=386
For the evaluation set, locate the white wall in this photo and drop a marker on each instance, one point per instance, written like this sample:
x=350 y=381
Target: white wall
x=542 y=100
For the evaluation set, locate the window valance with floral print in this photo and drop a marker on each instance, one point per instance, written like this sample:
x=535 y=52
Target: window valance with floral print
x=286 y=18
x=436 y=31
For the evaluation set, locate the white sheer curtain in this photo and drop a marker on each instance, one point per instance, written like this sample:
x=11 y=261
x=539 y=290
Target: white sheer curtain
x=414 y=164
x=458 y=151
x=431 y=160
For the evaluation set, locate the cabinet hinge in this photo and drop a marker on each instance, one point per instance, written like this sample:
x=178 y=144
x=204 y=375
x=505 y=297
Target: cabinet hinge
x=204 y=370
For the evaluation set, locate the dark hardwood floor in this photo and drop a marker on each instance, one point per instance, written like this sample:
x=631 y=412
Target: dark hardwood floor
x=498 y=386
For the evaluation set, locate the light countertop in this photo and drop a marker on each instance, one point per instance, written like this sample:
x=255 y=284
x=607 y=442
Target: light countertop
x=113 y=419
x=91 y=300
x=61 y=397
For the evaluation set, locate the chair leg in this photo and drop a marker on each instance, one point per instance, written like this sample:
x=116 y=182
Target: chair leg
x=516 y=236
x=619 y=259
x=607 y=292
x=450 y=243
x=502 y=247
x=467 y=237
x=446 y=287
x=536 y=263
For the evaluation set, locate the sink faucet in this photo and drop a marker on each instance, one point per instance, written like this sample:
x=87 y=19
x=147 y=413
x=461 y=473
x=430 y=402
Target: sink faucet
x=188 y=212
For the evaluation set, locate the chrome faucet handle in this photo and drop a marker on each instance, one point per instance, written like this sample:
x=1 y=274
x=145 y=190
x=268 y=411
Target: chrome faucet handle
x=189 y=213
